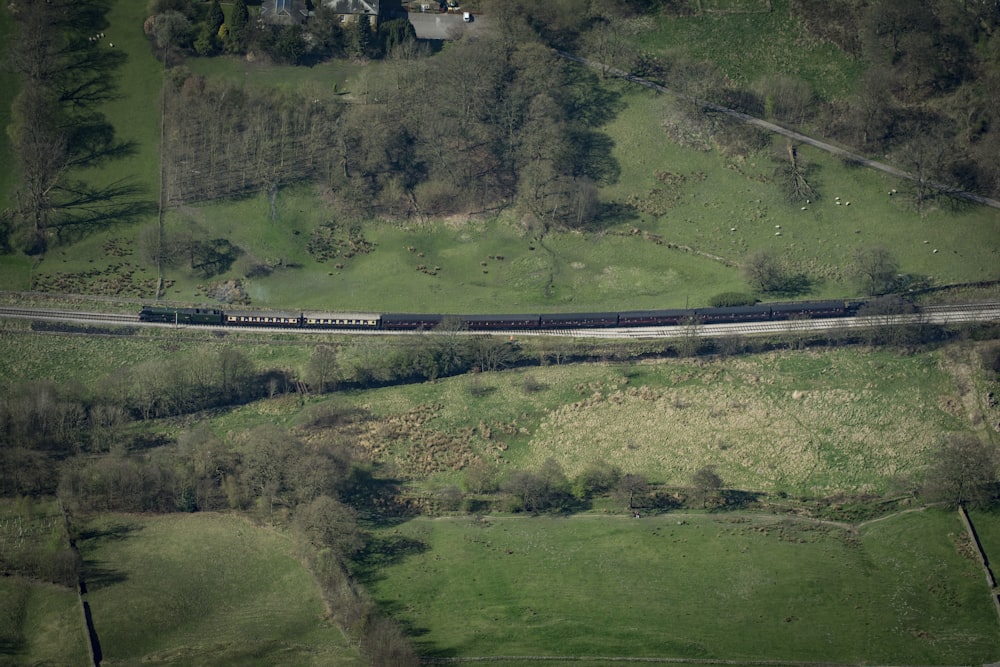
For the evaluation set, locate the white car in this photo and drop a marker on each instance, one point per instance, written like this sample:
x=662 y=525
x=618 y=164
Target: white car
x=467 y=17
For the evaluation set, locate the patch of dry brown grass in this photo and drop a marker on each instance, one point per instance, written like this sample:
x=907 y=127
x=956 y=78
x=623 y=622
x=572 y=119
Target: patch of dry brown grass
x=852 y=427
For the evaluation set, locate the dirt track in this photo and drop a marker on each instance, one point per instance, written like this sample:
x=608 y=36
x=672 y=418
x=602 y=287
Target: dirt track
x=777 y=129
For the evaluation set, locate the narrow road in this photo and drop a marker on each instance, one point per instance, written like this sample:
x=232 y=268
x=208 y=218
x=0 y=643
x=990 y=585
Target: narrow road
x=777 y=129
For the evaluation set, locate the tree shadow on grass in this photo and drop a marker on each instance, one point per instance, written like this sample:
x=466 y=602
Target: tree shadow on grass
x=381 y=552
x=93 y=574
x=798 y=284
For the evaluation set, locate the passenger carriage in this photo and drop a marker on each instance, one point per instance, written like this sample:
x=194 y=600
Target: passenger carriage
x=500 y=322
x=654 y=318
x=342 y=320
x=578 y=320
x=260 y=318
x=802 y=309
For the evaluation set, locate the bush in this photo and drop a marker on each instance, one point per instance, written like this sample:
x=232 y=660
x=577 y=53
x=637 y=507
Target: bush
x=726 y=299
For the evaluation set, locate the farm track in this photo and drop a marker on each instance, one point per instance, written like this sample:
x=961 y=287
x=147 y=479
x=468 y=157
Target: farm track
x=951 y=314
x=777 y=129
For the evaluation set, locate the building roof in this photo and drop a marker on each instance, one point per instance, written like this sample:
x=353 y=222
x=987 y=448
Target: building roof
x=353 y=6
x=283 y=11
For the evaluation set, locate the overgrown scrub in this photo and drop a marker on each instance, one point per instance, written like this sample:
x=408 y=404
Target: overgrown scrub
x=34 y=543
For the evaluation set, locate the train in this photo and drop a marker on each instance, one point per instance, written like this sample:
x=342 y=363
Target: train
x=763 y=312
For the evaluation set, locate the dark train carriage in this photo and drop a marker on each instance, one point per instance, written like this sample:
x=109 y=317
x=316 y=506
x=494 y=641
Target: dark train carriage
x=181 y=315
x=500 y=322
x=801 y=309
x=581 y=320
x=342 y=320
x=654 y=318
x=409 y=321
x=733 y=314
x=259 y=318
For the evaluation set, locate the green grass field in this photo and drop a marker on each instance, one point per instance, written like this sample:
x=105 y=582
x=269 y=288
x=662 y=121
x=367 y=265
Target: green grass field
x=41 y=624
x=8 y=89
x=748 y=42
x=726 y=587
x=717 y=195
x=987 y=525
x=87 y=359
x=204 y=589
x=325 y=79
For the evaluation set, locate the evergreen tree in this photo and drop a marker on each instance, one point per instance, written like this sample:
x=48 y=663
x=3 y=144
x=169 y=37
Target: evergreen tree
x=362 y=36
x=238 y=26
x=215 y=17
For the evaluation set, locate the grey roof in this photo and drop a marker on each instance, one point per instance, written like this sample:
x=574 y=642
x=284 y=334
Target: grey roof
x=353 y=6
x=283 y=11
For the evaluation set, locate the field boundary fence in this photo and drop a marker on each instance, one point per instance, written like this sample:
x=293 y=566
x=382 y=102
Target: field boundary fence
x=93 y=643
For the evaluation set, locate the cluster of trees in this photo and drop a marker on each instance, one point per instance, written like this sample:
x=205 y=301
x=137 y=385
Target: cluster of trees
x=42 y=423
x=493 y=120
x=929 y=96
x=222 y=140
x=496 y=119
x=549 y=489
x=182 y=27
x=449 y=352
x=965 y=470
x=55 y=440
x=66 y=72
x=874 y=271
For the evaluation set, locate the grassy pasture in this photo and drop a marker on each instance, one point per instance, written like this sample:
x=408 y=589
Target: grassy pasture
x=204 y=589
x=573 y=271
x=87 y=359
x=568 y=271
x=799 y=422
x=135 y=115
x=987 y=525
x=8 y=90
x=41 y=624
x=717 y=194
x=748 y=42
x=727 y=587
x=326 y=79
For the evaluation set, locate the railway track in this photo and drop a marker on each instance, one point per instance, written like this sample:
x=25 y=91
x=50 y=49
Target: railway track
x=937 y=314
x=70 y=316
